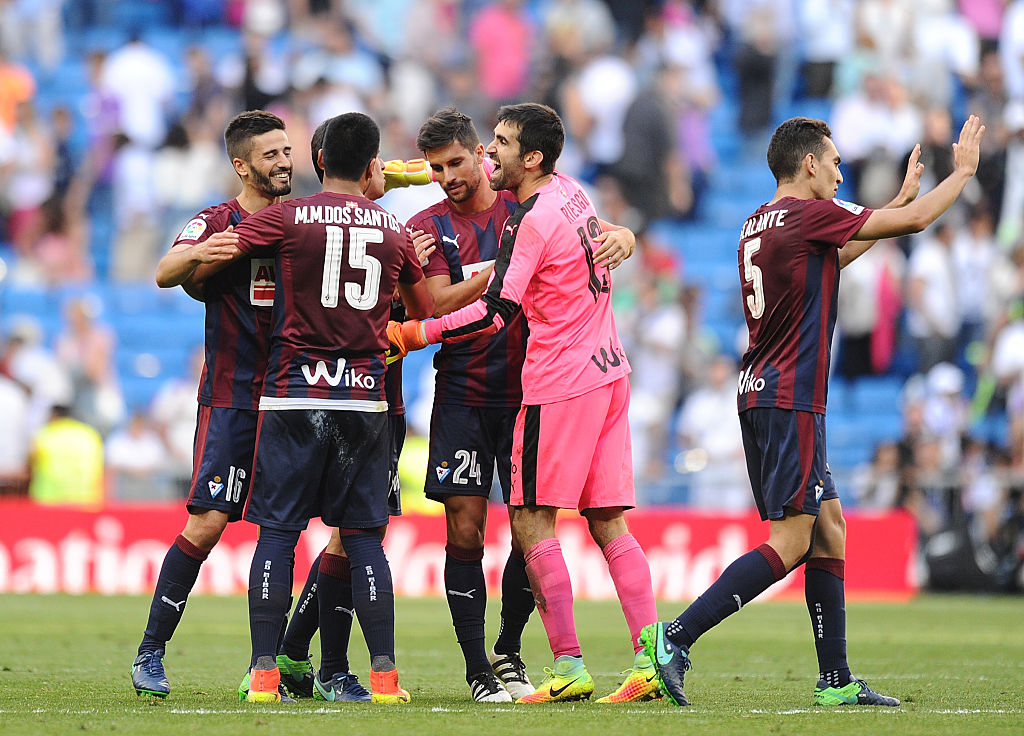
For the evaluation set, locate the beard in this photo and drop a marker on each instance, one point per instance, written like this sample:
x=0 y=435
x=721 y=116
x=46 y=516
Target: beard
x=506 y=177
x=270 y=186
x=468 y=190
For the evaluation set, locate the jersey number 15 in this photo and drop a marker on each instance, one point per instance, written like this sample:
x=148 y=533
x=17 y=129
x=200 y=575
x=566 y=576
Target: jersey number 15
x=359 y=296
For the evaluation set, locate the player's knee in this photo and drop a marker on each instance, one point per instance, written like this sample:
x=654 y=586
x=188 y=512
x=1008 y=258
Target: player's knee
x=606 y=527
x=204 y=530
x=466 y=532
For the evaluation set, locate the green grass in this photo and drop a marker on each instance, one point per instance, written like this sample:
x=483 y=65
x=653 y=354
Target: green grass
x=957 y=662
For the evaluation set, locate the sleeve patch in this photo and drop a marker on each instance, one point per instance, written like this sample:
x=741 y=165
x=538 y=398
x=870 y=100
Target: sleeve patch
x=193 y=229
x=855 y=209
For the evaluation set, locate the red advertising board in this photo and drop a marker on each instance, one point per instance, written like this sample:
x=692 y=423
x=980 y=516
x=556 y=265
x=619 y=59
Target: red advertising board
x=120 y=549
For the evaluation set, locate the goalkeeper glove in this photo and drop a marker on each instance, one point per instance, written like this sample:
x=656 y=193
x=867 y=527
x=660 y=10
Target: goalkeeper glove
x=403 y=337
x=398 y=173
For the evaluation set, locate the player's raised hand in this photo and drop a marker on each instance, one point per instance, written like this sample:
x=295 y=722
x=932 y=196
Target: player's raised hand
x=912 y=181
x=615 y=247
x=217 y=248
x=967 y=150
x=424 y=244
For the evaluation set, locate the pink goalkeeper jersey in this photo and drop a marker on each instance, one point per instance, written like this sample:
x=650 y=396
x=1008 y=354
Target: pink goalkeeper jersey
x=546 y=264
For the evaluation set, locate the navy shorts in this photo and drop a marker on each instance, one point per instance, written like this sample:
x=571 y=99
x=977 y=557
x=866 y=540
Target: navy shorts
x=222 y=460
x=396 y=431
x=465 y=442
x=786 y=461
x=315 y=462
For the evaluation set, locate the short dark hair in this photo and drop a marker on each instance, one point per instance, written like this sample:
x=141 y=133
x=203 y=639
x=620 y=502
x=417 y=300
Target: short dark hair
x=540 y=129
x=351 y=141
x=245 y=126
x=446 y=126
x=315 y=144
x=793 y=140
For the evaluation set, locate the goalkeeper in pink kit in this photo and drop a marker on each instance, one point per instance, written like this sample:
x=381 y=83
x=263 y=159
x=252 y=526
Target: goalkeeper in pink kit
x=571 y=443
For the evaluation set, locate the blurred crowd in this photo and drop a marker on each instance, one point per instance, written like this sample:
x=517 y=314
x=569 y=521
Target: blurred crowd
x=663 y=101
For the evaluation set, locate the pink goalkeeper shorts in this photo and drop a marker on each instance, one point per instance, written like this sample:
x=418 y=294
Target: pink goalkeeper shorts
x=575 y=454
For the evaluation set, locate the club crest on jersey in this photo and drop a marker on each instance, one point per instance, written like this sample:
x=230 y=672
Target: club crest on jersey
x=193 y=229
x=850 y=207
x=261 y=282
x=216 y=486
x=442 y=471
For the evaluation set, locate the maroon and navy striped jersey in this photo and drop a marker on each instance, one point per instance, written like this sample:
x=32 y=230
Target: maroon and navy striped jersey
x=485 y=371
x=789 y=271
x=338 y=258
x=238 y=300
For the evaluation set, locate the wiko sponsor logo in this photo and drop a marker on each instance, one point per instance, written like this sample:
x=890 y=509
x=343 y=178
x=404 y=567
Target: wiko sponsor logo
x=749 y=383
x=350 y=377
x=607 y=361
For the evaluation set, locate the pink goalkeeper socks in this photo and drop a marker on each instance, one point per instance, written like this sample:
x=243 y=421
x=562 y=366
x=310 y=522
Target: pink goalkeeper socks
x=631 y=575
x=549 y=578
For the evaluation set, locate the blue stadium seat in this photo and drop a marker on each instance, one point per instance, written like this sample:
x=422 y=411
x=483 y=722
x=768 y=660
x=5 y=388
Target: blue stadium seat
x=727 y=209
x=839 y=400
x=877 y=395
x=25 y=299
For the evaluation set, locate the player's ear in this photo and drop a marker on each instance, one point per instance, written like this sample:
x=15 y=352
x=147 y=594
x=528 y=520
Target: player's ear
x=241 y=167
x=479 y=151
x=533 y=159
x=320 y=159
x=810 y=164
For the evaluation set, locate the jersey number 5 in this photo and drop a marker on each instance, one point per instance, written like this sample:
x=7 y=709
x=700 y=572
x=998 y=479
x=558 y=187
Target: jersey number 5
x=359 y=296
x=752 y=275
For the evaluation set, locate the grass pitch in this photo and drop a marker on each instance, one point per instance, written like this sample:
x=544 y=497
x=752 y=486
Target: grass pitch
x=957 y=663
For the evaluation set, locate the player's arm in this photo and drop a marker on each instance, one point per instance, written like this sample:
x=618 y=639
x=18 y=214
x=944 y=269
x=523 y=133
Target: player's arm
x=617 y=243
x=180 y=263
x=418 y=300
x=513 y=269
x=907 y=194
x=916 y=216
x=447 y=296
x=412 y=286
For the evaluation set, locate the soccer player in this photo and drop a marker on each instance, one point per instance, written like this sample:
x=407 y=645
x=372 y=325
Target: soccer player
x=322 y=445
x=327 y=593
x=237 y=330
x=571 y=443
x=477 y=394
x=790 y=253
